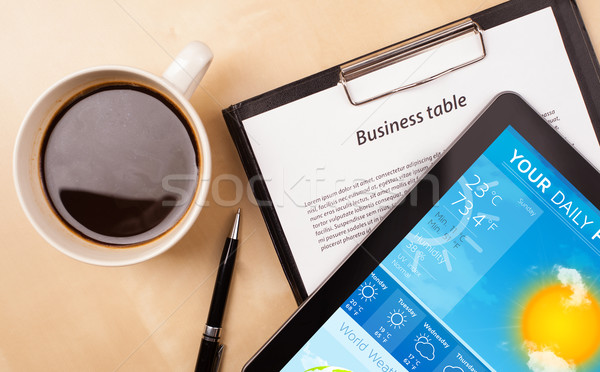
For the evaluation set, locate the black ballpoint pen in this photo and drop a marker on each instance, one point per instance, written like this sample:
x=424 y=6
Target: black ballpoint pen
x=209 y=356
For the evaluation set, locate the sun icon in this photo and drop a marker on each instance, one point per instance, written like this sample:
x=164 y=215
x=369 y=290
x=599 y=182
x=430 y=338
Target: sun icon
x=421 y=337
x=553 y=321
x=367 y=291
x=396 y=319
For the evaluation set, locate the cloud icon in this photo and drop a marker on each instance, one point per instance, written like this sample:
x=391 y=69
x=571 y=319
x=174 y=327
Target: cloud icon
x=453 y=369
x=545 y=360
x=572 y=278
x=425 y=348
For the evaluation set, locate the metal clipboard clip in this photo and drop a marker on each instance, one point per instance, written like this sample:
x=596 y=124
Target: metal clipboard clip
x=426 y=58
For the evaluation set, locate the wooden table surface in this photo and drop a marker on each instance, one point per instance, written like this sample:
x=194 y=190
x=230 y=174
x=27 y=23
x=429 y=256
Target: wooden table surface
x=57 y=314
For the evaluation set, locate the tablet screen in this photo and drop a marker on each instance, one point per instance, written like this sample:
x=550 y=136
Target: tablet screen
x=501 y=274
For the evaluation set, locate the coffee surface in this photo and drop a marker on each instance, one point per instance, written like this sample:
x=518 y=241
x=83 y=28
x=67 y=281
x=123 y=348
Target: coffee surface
x=120 y=164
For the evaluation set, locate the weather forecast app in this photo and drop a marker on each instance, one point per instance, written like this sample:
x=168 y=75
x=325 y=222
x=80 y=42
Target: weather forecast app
x=501 y=274
x=404 y=328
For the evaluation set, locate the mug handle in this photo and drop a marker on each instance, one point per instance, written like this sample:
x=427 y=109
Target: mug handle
x=188 y=68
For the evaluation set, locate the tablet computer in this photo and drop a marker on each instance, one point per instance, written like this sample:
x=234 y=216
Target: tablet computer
x=491 y=262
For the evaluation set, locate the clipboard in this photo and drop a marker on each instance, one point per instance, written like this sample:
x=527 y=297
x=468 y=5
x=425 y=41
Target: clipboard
x=349 y=86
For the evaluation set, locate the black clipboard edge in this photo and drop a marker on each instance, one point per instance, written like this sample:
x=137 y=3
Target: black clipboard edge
x=285 y=94
x=575 y=39
x=264 y=200
x=583 y=61
x=591 y=93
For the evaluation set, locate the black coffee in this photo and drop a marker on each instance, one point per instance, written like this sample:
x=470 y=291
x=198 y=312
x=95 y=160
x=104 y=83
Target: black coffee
x=120 y=164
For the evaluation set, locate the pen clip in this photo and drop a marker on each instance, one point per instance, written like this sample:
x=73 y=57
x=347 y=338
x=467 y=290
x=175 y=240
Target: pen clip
x=217 y=364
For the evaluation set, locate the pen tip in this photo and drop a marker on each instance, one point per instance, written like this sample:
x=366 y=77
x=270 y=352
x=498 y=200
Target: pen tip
x=239 y=209
x=236 y=225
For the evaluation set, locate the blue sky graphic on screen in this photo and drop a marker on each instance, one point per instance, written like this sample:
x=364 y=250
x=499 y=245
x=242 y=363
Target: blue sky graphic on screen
x=501 y=274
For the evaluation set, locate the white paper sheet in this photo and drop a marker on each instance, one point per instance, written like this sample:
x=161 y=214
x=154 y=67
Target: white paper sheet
x=329 y=190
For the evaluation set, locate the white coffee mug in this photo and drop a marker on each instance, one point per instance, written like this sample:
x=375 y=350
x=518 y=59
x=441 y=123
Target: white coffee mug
x=177 y=84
